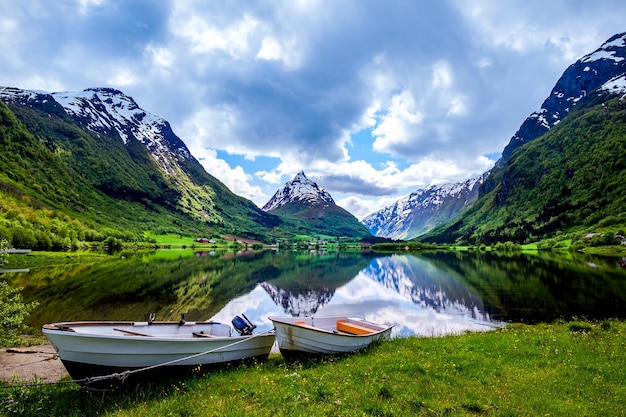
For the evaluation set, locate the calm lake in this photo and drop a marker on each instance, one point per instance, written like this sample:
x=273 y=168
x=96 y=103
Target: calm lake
x=431 y=293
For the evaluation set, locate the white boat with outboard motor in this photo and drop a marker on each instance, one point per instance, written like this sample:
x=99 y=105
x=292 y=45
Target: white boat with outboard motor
x=298 y=336
x=91 y=351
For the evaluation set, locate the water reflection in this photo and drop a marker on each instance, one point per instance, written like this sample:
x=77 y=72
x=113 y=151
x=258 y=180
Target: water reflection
x=429 y=293
x=401 y=289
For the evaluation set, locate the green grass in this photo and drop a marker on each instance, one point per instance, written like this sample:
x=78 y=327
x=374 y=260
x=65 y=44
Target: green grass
x=562 y=369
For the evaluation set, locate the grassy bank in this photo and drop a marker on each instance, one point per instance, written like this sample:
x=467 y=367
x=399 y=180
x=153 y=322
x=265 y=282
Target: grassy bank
x=563 y=369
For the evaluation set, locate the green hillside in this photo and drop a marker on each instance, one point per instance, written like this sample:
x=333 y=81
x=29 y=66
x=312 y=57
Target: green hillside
x=60 y=184
x=573 y=178
x=328 y=219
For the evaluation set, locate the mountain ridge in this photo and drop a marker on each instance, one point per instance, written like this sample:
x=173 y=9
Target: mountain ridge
x=423 y=209
x=570 y=177
x=129 y=156
x=582 y=77
x=312 y=209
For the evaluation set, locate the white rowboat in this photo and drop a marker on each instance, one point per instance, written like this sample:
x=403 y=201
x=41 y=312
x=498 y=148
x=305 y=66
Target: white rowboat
x=330 y=335
x=96 y=348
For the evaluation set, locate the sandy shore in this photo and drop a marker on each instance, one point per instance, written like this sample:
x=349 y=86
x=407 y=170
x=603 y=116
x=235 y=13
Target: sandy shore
x=30 y=364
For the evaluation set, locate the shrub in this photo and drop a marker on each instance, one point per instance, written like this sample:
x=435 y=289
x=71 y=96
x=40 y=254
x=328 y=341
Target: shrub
x=13 y=311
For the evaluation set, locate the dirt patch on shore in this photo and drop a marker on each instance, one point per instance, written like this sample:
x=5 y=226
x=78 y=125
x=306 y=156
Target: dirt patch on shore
x=30 y=364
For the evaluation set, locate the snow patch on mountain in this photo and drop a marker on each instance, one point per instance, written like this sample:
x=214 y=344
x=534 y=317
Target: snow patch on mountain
x=103 y=110
x=300 y=189
x=616 y=85
x=600 y=70
x=423 y=209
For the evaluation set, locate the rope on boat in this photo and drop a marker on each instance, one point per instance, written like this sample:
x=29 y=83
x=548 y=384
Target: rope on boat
x=122 y=376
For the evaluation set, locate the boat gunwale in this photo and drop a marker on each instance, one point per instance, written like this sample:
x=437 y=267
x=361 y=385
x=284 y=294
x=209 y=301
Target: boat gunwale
x=66 y=329
x=384 y=328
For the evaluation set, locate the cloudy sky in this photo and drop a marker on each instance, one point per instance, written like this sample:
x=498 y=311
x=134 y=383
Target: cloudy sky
x=372 y=99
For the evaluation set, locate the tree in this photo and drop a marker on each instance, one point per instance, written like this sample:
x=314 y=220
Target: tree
x=13 y=311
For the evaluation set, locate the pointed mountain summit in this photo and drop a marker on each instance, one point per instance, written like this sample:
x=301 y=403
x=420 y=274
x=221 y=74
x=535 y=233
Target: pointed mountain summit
x=312 y=209
x=300 y=189
x=563 y=170
x=601 y=69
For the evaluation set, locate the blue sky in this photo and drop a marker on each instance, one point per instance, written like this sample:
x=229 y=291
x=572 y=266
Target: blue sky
x=372 y=99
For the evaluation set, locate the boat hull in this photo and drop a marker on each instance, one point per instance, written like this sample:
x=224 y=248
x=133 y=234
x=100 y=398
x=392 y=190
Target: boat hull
x=305 y=336
x=95 y=349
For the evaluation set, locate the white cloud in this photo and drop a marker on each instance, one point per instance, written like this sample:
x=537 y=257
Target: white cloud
x=458 y=106
x=399 y=124
x=442 y=77
x=270 y=50
x=212 y=127
x=122 y=77
x=234 y=178
x=442 y=85
x=204 y=36
x=522 y=26
x=160 y=56
x=273 y=50
x=84 y=5
x=361 y=207
x=45 y=84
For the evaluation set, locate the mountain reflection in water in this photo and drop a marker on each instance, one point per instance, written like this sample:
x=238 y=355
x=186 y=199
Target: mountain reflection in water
x=429 y=293
x=403 y=290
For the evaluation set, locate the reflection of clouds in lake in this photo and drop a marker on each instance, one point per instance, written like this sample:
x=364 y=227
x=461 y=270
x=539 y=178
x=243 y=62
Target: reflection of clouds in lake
x=402 y=290
x=257 y=305
x=381 y=304
x=423 y=283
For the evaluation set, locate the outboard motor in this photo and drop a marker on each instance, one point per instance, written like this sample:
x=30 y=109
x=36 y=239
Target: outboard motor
x=243 y=326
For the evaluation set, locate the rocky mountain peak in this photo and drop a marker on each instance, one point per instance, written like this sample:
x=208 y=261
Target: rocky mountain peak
x=111 y=112
x=300 y=189
x=601 y=69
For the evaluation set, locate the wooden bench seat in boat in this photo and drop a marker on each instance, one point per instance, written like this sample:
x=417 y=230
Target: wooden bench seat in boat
x=319 y=329
x=303 y=324
x=353 y=328
x=132 y=333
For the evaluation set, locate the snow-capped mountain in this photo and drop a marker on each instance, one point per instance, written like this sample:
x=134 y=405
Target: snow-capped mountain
x=600 y=72
x=311 y=209
x=550 y=186
x=423 y=209
x=129 y=154
x=105 y=110
x=603 y=69
x=299 y=190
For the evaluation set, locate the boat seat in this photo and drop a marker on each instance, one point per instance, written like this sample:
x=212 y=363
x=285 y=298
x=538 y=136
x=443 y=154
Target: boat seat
x=303 y=324
x=131 y=333
x=353 y=328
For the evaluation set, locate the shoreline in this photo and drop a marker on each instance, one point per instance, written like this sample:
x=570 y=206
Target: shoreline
x=39 y=363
